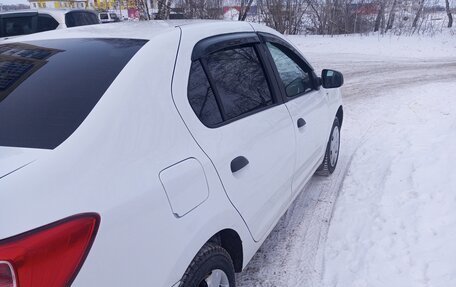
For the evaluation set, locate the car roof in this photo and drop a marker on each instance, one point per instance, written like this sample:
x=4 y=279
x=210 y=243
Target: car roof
x=44 y=11
x=57 y=14
x=139 y=30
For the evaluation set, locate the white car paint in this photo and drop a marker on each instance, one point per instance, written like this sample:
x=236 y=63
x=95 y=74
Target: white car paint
x=112 y=164
x=185 y=185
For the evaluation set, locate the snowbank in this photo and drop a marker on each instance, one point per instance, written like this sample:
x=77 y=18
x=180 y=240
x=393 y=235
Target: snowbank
x=395 y=219
x=422 y=47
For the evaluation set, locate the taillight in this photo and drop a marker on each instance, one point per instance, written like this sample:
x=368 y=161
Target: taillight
x=49 y=256
x=7 y=278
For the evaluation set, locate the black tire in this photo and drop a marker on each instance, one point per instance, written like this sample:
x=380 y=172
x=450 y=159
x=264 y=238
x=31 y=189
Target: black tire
x=326 y=167
x=211 y=257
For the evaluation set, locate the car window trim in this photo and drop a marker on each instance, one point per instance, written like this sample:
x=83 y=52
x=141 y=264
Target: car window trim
x=266 y=37
x=232 y=42
x=216 y=43
x=214 y=88
x=276 y=99
x=295 y=56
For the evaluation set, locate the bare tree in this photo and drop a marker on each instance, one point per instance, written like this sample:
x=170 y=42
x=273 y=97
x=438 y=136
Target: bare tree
x=283 y=15
x=380 y=19
x=164 y=7
x=202 y=9
x=418 y=14
x=391 y=16
x=448 y=11
x=144 y=8
x=245 y=8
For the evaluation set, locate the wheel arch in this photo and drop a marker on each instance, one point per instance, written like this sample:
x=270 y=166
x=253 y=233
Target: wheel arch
x=340 y=115
x=230 y=240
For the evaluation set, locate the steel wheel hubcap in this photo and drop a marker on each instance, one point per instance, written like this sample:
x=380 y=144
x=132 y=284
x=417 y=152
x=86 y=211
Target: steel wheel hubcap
x=217 y=278
x=334 y=146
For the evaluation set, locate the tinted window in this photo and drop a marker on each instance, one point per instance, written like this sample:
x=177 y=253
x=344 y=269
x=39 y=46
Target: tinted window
x=295 y=79
x=201 y=96
x=103 y=16
x=13 y=26
x=47 y=88
x=240 y=81
x=46 y=23
x=80 y=18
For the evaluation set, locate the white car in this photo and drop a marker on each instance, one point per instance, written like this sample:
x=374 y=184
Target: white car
x=154 y=154
x=16 y=23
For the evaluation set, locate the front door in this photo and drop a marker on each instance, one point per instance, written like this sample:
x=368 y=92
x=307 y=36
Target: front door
x=307 y=108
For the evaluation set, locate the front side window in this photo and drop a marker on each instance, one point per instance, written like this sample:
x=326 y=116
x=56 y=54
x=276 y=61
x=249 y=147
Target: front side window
x=295 y=79
x=48 y=87
x=240 y=81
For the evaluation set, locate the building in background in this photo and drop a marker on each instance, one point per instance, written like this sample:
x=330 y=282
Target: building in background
x=67 y=4
x=125 y=9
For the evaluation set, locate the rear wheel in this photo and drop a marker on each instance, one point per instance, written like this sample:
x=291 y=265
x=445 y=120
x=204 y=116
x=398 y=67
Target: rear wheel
x=211 y=267
x=332 y=151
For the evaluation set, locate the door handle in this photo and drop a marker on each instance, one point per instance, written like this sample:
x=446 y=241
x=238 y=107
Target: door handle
x=301 y=122
x=238 y=163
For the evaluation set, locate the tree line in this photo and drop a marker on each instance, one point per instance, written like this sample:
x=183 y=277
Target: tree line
x=325 y=17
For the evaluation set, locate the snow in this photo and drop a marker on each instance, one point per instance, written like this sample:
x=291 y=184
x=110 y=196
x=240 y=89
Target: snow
x=387 y=216
x=424 y=47
x=394 y=223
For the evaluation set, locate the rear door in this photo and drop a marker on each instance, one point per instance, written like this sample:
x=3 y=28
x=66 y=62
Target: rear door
x=234 y=113
x=306 y=104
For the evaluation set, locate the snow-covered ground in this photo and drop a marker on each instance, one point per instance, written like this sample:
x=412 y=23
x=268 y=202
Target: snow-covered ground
x=387 y=216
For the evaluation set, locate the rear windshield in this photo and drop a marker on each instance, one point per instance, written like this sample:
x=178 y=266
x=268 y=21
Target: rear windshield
x=47 y=88
x=80 y=18
x=14 y=26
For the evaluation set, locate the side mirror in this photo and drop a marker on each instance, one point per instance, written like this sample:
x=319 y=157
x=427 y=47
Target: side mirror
x=331 y=79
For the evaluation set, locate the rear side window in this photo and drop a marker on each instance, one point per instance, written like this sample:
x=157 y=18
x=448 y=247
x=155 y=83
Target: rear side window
x=240 y=81
x=47 y=88
x=80 y=18
x=46 y=23
x=228 y=84
x=14 y=26
x=202 y=98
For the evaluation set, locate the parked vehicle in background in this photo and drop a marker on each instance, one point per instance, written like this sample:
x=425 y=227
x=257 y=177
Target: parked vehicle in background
x=24 y=22
x=108 y=17
x=116 y=172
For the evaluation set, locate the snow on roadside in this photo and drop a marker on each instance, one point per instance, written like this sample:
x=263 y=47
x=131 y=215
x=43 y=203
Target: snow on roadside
x=395 y=219
x=419 y=47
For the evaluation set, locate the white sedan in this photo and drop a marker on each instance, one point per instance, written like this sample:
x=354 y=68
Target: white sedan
x=154 y=154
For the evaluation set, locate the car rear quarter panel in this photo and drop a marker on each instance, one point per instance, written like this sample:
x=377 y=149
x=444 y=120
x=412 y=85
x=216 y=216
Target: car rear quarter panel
x=111 y=166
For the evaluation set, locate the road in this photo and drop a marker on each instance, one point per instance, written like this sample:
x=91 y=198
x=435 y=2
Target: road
x=293 y=254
